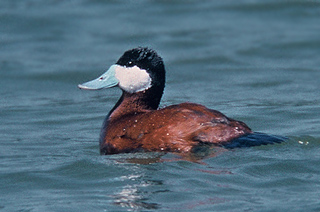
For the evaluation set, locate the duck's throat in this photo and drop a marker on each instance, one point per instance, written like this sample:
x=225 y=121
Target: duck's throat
x=134 y=103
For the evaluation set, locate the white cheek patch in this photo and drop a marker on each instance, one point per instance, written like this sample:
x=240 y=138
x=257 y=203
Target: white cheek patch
x=132 y=79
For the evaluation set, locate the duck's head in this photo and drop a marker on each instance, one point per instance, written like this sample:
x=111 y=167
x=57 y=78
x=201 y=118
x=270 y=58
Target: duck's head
x=137 y=70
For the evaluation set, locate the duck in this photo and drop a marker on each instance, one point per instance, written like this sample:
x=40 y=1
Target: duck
x=137 y=124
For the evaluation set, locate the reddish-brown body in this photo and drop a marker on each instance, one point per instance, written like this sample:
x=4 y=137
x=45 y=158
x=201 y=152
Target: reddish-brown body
x=177 y=128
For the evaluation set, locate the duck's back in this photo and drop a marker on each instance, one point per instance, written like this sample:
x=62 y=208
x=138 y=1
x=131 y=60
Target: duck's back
x=177 y=128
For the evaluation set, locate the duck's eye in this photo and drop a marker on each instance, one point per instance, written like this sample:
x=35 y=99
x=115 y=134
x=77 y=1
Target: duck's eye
x=101 y=78
x=129 y=63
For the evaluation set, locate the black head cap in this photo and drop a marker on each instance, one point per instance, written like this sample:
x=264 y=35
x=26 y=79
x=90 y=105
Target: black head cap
x=147 y=59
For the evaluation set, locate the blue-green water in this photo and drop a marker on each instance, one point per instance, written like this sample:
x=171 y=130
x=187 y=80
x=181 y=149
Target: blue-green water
x=256 y=61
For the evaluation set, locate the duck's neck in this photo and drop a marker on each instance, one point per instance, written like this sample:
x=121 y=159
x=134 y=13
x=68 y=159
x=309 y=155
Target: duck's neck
x=134 y=103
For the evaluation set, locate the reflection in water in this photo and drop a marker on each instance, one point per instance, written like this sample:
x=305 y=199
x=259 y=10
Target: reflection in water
x=137 y=191
x=130 y=197
x=196 y=156
x=139 y=185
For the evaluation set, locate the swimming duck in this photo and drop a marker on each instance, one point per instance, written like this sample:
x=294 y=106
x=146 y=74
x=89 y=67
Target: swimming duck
x=136 y=123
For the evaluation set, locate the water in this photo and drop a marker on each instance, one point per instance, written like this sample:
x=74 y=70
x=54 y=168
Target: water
x=256 y=61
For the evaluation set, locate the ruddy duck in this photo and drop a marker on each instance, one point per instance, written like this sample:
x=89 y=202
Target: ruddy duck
x=136 y=123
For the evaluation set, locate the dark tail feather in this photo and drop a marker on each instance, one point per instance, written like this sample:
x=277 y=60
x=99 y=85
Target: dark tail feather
x=254 y=139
